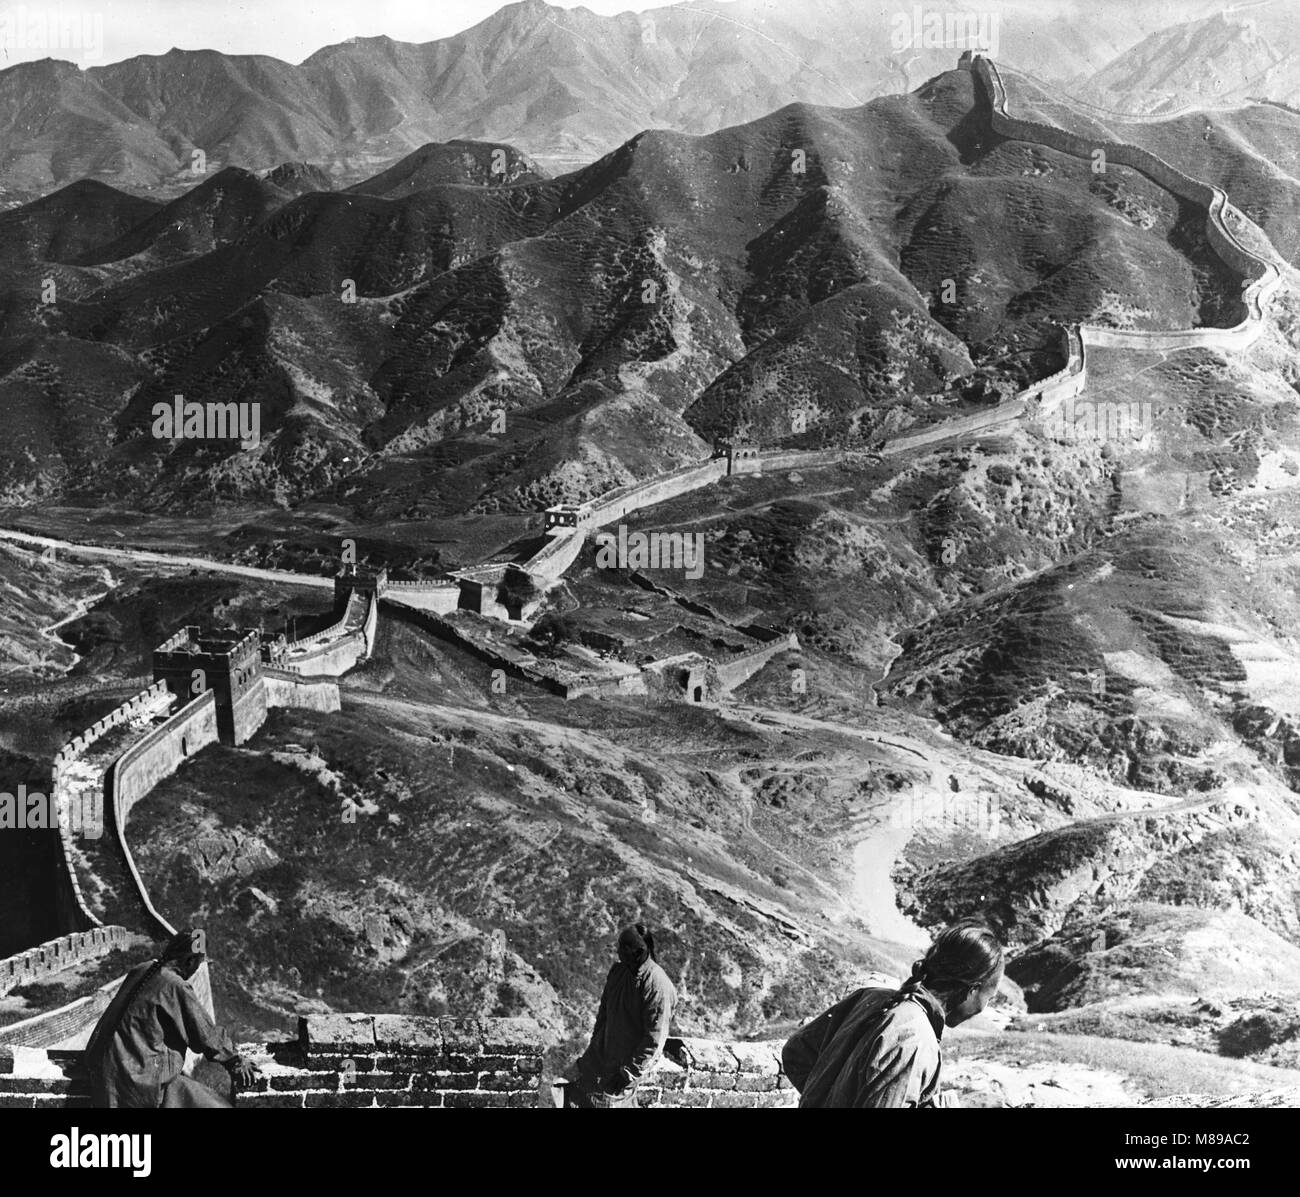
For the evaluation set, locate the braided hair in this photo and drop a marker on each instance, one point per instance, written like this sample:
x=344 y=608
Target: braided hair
x=965 y=956
x=179 y=948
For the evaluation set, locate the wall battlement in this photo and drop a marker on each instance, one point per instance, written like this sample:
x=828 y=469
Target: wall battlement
x=55 y=955
x=227 y=663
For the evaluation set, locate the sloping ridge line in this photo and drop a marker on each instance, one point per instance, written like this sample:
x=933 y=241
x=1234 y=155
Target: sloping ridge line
x=1262 y=276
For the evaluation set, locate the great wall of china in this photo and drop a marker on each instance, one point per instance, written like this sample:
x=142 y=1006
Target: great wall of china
x=128 y=751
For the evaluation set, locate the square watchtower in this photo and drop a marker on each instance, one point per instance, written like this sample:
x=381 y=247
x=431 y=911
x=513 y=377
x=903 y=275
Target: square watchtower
x=359 y=579
x=229 y=663
x=741 y=457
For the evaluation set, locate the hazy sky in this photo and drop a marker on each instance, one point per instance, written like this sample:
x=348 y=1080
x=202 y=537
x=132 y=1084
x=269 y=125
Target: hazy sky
x=110 y=30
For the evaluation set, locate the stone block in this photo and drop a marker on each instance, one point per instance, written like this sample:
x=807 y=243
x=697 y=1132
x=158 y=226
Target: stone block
x=333 y=1033
x=530 y=1063
x=380 y=1080
x=691 y=1099
x=463 y=1062
x=734 y=1101
x=705 y=1055
x=512 y=1036
x=502 y=1080
x=270 y=1101
x=446 y=1081
x=669 y=1076
x=352 y=1099
x=749 y=1083
x=408 y=1099
x=758 y=1057
x=462 y=1036
x=779 y=1099
x=408 y=1033
x=59 y=1101
x=475 y=1101
x=297 y=1082
x=711 y=1080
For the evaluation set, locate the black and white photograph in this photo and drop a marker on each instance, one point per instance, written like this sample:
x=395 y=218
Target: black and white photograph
x=739 y=554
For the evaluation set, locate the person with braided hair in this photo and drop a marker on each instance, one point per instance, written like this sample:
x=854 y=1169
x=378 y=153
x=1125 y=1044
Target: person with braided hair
x=137 y=1050
x=636 y=1008
x=879 y=1048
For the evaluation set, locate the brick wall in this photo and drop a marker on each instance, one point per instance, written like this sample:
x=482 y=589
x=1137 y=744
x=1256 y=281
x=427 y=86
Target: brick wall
x=702 y=1073
x=343 y=1061
x=383 y=1060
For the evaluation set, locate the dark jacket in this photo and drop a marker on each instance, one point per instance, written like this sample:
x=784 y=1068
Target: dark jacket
x=138 y=1047
x=860 y=1055
x=632 y=1023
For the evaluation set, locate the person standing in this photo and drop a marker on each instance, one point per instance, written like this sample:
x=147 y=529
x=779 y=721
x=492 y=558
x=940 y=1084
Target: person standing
x=636 y=1008
x=879 y=1048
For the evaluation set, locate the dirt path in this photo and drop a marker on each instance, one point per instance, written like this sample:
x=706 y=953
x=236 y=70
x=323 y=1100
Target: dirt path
x=81 y=608
x=146 y=557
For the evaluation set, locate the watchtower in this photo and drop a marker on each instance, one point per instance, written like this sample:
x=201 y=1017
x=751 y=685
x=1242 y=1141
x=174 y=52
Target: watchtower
x=966 y=61
x=229 y=663
x=568 y=515
x=741 y=457
x=358 y=579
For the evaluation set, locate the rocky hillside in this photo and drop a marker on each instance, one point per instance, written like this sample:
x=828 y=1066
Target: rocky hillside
x=448 y=338
x=564 y=84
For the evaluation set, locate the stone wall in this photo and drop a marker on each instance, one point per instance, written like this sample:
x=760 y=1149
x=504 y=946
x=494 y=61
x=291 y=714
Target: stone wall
x=1265 y=275
x=797 y=459
x=703 y=1074
x=330 y=658
x=440 y=597
x=343 y=1061
x=561 y=550
x=247 y=711
x=55 y=955
x=74 y=912
x=53 y=1027
x=135 y=773
x=619 y=503
x=290 y=688
x=738 y=668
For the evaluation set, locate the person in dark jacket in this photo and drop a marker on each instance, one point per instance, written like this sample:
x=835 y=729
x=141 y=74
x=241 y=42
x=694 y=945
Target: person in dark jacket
x=879 y=1048
x=631 y=1026
x=137 y=1050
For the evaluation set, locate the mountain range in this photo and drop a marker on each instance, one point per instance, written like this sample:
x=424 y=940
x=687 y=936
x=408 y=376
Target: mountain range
x=564 y=85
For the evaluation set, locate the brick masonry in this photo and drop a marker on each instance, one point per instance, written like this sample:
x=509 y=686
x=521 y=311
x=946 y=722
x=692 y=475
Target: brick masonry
x=342 y=1061
x=705 y=1074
